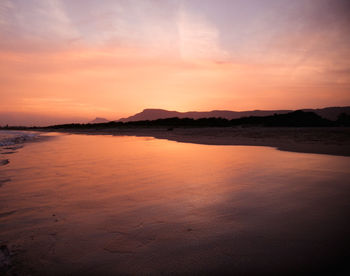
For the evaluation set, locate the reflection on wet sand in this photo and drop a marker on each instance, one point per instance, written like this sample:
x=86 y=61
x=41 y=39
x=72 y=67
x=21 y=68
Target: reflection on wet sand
x=101 y=205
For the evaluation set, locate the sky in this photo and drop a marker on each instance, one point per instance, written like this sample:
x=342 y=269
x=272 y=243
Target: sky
x=63 y=61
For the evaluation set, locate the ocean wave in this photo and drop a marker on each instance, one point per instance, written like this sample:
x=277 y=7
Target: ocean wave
x=9 y=138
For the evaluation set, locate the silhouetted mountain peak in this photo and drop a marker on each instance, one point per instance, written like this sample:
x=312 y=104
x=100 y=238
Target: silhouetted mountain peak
x=98 y=120
x=153 y=109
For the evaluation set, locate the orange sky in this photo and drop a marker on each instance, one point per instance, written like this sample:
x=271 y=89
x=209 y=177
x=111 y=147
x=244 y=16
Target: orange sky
x=62 y=61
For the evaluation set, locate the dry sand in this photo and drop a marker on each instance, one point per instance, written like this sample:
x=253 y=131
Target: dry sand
x=330 y=140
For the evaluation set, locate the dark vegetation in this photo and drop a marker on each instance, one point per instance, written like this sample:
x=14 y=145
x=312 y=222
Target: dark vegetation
x=293 y=119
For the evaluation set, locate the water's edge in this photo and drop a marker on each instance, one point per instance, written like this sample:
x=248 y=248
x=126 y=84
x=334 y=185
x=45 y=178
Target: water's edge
x=330 y=141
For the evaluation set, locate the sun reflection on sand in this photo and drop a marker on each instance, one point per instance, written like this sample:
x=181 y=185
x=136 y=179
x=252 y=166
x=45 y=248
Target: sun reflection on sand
x=99 y=203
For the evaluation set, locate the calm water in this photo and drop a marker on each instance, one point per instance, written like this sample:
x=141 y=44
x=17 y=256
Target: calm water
x=104 y=205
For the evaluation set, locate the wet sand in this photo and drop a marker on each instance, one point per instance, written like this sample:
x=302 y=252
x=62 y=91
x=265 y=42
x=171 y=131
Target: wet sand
x=330 y=140
x=104 y=205
x=4 y=162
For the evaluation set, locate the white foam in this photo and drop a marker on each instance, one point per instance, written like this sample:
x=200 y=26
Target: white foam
x=8 y=138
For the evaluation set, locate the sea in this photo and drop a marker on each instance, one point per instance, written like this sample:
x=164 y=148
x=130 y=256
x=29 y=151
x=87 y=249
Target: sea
x=9 y=138
x=74 y=204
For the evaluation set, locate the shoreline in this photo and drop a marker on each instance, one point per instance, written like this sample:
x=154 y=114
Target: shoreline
x=322 y=140
x=126 y=213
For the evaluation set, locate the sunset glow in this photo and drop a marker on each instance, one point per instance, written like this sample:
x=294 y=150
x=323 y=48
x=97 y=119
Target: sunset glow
x=65 y=61
x=174 y=137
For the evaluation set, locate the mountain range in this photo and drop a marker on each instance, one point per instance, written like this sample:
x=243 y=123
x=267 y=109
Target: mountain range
x=330 y=113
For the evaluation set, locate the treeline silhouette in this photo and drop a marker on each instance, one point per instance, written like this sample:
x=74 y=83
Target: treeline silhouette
x=293 y=119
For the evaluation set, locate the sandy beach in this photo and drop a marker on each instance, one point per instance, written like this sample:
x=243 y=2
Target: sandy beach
x=331 y=140
x=126 y=205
